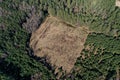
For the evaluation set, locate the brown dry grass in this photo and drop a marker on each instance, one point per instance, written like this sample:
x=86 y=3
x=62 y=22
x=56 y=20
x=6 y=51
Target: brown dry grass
x=59 y=42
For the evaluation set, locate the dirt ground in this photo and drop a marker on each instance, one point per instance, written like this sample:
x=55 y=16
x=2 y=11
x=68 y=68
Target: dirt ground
x=59 y=42
x=117 y=3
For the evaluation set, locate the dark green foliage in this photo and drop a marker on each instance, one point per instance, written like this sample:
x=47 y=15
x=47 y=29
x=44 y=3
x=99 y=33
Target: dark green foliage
x=109 y=44
x=14 y=42
x=5 y=77
x=102 y=65
x=98 y=67
x=21 y=66
x=101 y=16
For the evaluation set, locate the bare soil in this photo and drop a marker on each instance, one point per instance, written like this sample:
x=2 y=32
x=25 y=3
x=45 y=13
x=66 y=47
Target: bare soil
x=117 y=3
x=59 y=42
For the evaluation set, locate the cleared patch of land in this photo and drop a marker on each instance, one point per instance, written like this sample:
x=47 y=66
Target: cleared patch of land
x=59 y=42
x=117 y=3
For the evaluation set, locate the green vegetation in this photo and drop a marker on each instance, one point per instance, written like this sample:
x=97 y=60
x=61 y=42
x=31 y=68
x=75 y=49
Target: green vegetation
x=101 y=61
x=108 y=44
x=5 y=77
x=97 y=67
x=14 y=44
x=101 y=16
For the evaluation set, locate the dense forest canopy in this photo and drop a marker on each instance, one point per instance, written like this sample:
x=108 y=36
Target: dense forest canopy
x=18 y=18
x=101 y=16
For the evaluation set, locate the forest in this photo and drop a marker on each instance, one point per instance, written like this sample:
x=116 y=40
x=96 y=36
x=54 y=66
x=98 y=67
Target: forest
x=19 y=18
